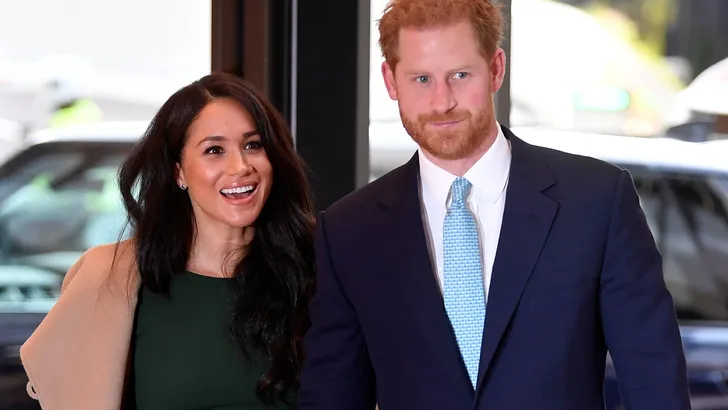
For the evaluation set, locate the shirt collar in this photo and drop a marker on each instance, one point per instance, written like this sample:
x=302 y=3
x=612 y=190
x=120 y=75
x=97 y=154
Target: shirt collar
x=488 y=175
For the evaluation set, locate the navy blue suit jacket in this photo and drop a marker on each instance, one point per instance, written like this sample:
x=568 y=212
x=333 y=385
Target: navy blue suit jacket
x=576 y=274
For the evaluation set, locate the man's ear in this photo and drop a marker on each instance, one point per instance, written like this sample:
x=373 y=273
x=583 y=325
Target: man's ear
x=498 y=69
x=389 y=82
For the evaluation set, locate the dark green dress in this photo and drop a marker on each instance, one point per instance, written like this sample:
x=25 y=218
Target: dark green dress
x=183 y=356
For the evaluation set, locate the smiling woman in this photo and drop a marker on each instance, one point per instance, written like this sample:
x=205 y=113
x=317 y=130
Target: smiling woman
x=225 y=169
x=218 y=213
x=220 y=264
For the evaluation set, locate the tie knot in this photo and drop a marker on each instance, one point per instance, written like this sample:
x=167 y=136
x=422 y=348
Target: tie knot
x=459 y=190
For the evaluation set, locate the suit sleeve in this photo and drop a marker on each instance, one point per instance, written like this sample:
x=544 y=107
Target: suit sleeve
x=638 y=314
x=337 y=373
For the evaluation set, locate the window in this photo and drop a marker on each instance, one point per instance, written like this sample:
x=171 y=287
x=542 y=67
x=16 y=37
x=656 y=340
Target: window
x=59 y=199
x=65 y=63
x=110 y=61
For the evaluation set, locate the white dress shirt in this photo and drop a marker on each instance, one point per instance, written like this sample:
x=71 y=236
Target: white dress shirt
x=489 y=179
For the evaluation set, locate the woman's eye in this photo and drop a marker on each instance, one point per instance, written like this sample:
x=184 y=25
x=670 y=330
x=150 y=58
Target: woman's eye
x=253 y=145
x=214 y=150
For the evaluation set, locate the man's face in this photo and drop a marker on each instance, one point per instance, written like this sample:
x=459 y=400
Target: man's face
x=444 y=87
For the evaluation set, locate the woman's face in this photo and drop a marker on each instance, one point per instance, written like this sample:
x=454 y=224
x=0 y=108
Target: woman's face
x=224 y=166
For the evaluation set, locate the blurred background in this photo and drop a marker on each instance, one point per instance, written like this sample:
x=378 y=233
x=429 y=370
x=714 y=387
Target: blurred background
x=640 y=83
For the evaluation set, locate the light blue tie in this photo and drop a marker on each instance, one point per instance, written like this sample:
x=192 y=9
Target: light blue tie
x=463 y=277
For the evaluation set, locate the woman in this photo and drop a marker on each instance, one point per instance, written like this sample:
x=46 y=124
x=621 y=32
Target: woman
x=204 y=307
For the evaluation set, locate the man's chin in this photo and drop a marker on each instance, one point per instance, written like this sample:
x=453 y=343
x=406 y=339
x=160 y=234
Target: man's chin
x=451 y=148
x=449 y=155
x=445 y=153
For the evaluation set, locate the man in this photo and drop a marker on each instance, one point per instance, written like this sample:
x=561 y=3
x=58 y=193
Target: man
x=485 y=273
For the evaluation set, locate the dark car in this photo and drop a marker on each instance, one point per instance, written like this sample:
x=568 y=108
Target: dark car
x=58 y=197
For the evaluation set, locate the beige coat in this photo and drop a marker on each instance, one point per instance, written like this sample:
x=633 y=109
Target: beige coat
x=77 y=357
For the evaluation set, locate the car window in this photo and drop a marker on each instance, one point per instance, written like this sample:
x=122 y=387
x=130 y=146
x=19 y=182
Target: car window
x=689 y=220
x=36 y=167
x=56 y=201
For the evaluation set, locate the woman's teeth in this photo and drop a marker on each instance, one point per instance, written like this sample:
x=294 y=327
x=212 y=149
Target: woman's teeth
x=239 y=190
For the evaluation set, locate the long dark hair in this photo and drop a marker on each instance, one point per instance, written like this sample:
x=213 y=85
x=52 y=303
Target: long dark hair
x=274 y=281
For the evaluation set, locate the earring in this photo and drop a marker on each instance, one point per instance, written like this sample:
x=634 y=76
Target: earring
x=183 y=187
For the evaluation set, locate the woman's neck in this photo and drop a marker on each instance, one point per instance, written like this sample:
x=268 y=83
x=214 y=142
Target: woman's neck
x=216 y=251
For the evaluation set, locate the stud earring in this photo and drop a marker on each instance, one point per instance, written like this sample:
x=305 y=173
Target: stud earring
x=183 y=187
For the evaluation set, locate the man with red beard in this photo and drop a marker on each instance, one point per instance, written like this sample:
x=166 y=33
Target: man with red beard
x=485 y=273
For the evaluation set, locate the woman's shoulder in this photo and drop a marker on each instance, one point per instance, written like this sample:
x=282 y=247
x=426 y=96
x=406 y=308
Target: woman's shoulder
x=118 y=252
x=109 y=259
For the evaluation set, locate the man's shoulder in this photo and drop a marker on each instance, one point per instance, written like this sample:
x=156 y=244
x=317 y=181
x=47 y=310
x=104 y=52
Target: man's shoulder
x=578 y=168
x=579 y=180
x=364 y=200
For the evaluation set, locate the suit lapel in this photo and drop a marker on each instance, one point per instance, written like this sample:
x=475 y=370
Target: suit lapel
x=527 y=221
x=405 y=249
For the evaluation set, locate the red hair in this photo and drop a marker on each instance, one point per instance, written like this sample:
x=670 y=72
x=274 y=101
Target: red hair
x=485 y=17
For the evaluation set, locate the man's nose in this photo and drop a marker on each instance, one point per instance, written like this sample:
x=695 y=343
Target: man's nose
x=443 y=99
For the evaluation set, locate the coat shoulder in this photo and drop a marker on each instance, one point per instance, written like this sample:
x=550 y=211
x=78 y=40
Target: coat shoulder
x=115 y=260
